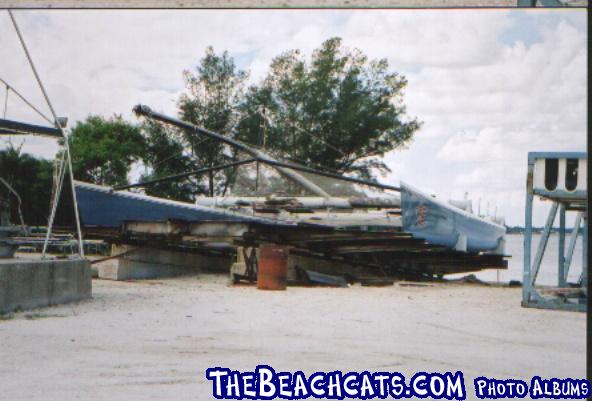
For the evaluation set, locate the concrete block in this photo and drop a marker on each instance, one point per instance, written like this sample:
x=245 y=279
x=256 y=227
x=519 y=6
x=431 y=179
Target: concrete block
x=146 y=263
x=28 y=283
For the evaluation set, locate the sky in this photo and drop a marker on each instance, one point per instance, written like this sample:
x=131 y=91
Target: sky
x=488 y=85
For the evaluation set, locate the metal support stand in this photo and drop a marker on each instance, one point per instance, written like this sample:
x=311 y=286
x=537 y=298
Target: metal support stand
x=561 y=276
x=566 y=296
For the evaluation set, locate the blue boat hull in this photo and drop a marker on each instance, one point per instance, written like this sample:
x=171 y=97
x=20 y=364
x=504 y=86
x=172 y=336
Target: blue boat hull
x=441 y=224
x=100 y=206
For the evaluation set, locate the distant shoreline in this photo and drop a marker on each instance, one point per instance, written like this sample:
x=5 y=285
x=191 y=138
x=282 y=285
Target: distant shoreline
x=537 y=230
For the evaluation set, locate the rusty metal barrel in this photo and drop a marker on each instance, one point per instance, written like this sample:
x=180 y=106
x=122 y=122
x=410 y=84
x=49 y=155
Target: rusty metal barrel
x=272 y=269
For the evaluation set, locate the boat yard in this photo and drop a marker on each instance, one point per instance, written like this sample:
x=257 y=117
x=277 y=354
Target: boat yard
x=332 y=229
x=257 y=257
x=357 y=235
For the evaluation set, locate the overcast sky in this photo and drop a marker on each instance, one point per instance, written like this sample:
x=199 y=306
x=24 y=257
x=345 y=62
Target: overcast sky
x=489 y=85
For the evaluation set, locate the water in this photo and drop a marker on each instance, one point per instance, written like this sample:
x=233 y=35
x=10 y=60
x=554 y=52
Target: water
x=547 y=273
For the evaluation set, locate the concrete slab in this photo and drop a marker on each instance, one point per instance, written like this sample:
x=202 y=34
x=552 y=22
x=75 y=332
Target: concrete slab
x=148 y=263
x=29 y=283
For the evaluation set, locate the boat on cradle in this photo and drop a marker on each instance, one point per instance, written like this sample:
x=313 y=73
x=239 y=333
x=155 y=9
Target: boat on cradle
x=440 y=223
x=428 y=219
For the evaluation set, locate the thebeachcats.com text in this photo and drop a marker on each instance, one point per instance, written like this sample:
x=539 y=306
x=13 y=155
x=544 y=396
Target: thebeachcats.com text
x=264 y=383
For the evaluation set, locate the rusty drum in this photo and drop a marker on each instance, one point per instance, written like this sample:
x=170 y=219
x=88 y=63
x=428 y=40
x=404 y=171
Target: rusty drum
x=272 y=269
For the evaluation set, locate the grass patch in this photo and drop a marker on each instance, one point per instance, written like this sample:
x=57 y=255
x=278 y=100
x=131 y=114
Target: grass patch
x=6 y=316
x=40 y=315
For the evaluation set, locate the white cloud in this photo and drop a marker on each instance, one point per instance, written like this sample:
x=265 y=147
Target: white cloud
x=484 y=102
x=486 y=118
x=432 y=38
x=485 y=146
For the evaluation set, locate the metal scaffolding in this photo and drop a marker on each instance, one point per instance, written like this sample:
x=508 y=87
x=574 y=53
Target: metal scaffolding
x=559 y=177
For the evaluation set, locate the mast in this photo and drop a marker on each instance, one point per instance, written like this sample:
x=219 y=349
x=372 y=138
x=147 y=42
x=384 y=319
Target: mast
x=146 y=111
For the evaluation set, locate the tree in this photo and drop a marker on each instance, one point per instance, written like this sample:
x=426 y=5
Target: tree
x=214 y=93
x=340 y=111
x=31 y=178
x=164 y=156
x=103 y=150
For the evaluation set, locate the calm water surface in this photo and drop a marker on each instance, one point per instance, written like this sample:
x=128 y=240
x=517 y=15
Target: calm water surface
x=547 y=274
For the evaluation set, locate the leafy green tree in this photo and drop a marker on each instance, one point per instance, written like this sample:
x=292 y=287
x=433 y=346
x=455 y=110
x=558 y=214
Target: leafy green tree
x=103 y=150
x=31 y=178
x=340 y=110
x=214 y=92
x=165 y=155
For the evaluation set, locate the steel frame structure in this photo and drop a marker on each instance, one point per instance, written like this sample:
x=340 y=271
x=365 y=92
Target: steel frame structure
x=563 y=201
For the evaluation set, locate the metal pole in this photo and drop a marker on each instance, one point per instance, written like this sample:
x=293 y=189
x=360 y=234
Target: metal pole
x=75 y=200
x=572 y=244
x=263 y=127
x=67 y=147
x=6 y=102
x=146 y=111
x=330 y=175
x=527 y=233
x=585 y=253
x=24 y=99
x=54 y=205
x=29 y=129
x=18 y=32
x=536 y=266
x=185 y=175
x=257 y=179
x=561 y=254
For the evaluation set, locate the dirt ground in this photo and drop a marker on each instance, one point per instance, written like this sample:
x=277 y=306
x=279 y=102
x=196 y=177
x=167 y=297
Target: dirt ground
x=155 y=339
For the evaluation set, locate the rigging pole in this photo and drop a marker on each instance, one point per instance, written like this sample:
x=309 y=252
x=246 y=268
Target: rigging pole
x=66 y=150
x=287 y=172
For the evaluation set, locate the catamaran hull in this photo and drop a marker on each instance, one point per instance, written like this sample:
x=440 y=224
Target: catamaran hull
x=441 y=224
x=100 y=206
